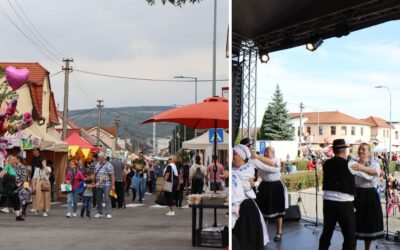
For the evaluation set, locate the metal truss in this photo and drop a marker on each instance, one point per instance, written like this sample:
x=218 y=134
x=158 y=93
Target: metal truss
x=249 y=56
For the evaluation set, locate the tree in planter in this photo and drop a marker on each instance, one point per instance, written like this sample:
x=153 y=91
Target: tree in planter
x=275 y=125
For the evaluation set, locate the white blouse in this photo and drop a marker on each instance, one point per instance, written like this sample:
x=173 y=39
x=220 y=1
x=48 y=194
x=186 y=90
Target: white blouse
x=41 y=174
x=364 y=180
x=267 y=173
x=245 y=173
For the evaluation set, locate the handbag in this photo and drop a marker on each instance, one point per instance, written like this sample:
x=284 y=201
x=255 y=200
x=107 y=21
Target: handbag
x=161 y=199
x=66 y=188
x=81 y=188
x=168 y=185
x=45 y=186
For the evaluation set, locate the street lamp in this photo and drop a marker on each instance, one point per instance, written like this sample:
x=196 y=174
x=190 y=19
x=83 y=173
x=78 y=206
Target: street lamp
x=390 y=119
x=195 y=84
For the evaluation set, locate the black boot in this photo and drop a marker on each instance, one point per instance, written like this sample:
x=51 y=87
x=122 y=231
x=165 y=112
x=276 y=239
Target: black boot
x=19 y=218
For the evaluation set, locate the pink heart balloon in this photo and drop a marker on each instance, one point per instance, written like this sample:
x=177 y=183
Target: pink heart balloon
x=16 y=77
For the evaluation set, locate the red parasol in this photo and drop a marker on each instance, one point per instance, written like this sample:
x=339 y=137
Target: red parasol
x=211 y=113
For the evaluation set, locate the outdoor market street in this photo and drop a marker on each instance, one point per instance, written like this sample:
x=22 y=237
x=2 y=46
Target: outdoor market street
x=140 y=227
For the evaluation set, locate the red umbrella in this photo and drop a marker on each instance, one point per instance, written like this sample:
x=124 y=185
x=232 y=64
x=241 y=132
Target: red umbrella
x=211 y=113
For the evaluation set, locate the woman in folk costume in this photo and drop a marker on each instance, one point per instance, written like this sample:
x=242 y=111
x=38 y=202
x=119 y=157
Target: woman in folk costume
x=272 y=196
x=369 y=217
x=248 y=225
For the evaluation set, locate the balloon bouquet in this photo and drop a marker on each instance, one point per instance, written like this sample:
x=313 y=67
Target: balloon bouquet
x=10 y=120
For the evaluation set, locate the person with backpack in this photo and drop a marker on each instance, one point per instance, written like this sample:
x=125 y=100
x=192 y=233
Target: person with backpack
x=197 y=176
x=74 y=177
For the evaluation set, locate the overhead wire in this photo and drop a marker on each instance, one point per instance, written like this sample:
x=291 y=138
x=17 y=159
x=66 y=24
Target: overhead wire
x=33 y=42
x=75 y=116
x=144 y=79
x=37 y=30
x=33 y=35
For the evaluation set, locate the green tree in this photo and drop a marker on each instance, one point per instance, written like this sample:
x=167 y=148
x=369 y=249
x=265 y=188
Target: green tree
x=174 y=2
x=275 y=125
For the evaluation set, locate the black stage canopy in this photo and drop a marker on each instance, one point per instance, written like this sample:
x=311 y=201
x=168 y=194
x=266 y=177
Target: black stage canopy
x=281 y=24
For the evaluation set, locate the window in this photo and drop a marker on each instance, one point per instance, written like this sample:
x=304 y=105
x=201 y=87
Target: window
x=344 y=130
x=309 y=130
x=396 y=135
x=321 y=132
x=353 y=130
x=333 y=130
x=362 y=131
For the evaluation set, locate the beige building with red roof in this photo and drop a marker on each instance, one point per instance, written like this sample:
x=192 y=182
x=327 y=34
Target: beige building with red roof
x=323 y=127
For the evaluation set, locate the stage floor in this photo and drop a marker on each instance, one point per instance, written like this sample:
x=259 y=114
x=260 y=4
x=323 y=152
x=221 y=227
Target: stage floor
x=296 y=236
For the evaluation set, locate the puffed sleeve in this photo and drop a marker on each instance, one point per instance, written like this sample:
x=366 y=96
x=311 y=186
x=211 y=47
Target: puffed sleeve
x=264 y=167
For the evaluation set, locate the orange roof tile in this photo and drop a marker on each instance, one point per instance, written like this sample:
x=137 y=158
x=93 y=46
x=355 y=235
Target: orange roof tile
x=377 y=122
x=110 y=130
x=330 y=117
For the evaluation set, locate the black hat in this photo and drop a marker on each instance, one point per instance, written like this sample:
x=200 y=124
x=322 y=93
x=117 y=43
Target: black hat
x=246 y=141
x=340 y=143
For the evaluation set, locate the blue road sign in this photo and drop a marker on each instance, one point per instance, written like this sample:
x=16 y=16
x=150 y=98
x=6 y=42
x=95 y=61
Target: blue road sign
x=263 y=145
x=220 y=135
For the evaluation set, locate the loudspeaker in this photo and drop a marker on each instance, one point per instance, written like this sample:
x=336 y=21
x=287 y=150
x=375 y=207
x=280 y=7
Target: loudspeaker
x=292 y=213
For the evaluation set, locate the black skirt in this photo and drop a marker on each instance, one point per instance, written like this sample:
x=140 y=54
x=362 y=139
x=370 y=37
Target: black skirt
x=271 y=199
x=248 y=230
x=171 y=196
x=369 y=216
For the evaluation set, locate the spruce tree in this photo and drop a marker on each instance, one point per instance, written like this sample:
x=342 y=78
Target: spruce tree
x=275 y=125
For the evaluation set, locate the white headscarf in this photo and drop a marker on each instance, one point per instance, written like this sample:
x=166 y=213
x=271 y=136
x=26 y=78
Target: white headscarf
x=243 y=151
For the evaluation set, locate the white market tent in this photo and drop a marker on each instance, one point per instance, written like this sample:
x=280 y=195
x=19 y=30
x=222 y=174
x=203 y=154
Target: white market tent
x=202 y=142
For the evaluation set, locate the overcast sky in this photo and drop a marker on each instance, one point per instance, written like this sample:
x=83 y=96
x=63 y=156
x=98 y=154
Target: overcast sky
x=340 y=75
x=122 y=37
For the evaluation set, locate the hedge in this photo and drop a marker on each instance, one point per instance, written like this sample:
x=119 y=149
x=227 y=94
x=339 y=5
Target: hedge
x=301 y=180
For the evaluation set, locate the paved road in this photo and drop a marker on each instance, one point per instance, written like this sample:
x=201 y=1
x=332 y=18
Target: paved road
x=136 y=227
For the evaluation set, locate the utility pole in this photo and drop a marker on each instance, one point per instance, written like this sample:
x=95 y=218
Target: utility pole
x=301 y=124
x=99 y=106
x=117 y=121
x=215 y=50
x=67 y=70
x=126 y=137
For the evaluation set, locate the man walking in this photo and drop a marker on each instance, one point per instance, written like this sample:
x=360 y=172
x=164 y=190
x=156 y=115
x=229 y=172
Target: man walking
x=105 y=180
x=339 y=190
x=119 y=184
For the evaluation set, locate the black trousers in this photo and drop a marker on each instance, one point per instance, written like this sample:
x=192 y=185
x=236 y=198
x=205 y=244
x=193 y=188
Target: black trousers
x=179 y=197
x=94 y=197
x=197 y=187
x=119 y=190
x=342 y=213
x=150 y=186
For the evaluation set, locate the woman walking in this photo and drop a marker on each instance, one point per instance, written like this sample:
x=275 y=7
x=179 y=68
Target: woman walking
x=9 y=175
x=41 y=186
x=369 y=217
x=74 y=176
x=171 y=179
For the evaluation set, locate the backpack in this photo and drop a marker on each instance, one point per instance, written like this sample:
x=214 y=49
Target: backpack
x=198 y=175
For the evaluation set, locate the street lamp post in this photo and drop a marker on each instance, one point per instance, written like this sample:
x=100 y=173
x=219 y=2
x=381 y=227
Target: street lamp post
x=195 y=84
x=390 y=119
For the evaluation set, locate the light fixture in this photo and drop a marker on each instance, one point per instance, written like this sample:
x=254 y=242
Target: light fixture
x=312 y=46
x=264 y=57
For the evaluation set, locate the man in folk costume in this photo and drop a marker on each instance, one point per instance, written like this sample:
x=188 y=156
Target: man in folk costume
x=339 y=190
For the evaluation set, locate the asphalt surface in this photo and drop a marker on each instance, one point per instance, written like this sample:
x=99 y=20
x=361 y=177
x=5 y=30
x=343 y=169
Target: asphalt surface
x=135 y=227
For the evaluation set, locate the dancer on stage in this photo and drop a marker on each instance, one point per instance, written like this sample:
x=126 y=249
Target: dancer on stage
x=369 y=216
x=339 y=190
x=249 y=228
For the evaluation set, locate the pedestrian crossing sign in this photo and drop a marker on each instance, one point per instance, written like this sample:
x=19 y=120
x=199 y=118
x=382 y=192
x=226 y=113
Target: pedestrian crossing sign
x=220 y=135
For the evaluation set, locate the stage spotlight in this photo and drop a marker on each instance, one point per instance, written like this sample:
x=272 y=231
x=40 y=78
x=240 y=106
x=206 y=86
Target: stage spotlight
x=264 y=57
x=312 y=46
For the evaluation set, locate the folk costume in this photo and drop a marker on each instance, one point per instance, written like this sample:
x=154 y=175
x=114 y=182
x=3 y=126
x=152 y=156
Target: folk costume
x=339 y=190
x=248 y=224
x=369 y=216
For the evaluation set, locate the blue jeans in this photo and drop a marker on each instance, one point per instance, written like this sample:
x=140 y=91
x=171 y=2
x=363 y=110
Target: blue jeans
x=72 y=201
x=106 y=192
x=87 y=205
x=142 y=188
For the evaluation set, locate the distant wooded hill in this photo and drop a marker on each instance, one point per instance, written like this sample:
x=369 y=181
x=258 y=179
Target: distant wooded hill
x=130 y=116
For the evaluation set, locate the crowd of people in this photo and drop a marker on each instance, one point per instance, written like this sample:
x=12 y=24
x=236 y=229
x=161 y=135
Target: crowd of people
x=350 y=197
x=102 y=180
